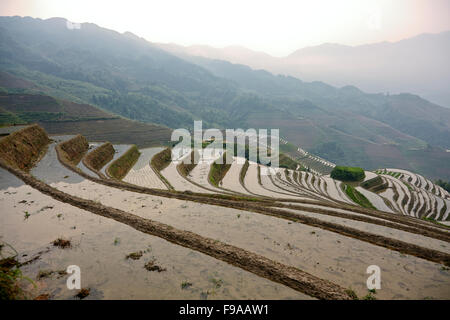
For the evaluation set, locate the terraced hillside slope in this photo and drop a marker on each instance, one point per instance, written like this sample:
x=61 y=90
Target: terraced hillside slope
x=65 y=117
x=261 y=233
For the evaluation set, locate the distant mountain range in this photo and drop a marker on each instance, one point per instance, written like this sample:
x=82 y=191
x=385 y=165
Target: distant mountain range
x=129 y=76
x=419 y=65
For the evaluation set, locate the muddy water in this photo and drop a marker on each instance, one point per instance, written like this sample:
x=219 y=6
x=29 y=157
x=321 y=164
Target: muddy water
x=92 y=146
x=333 y=190
x=324 y=207
x=383 y=231
x=375 y=199
x=178 y=182
x=201 y=171
x=297 y=193
x=322 y=253
x=49 y=169
x=231 y=179
x=99 y=248
x=267 y=183
x=252 y=184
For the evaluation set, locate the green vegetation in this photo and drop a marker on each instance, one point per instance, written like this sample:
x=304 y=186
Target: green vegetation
x=243 y=171
x=287 y=162
x=408 y=186
x=75 y=148
x=185 y=284
x=347 y=173
x=352 y=294
x=100 y=156
x=445 y=185
x=30 y=108
x=134 y=255
x=11 y=275
x=218 y=171
x=436 y=222
x=375 y=184
x=372 y=182
x=369 y=296
x=357 y=196
x=397 y=175
x=162 y=159
x=22 y=148
x=120 y=167
x=64 y=117
x=186 y=166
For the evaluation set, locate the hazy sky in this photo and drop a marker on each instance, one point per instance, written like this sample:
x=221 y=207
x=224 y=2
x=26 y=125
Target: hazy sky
x=276 y=27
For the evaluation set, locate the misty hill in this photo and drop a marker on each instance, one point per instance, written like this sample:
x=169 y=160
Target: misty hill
x=418 y=65
x=65 y=117
x=128 y=76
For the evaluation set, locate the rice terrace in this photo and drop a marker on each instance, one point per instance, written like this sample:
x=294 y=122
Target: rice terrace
x=108 y=189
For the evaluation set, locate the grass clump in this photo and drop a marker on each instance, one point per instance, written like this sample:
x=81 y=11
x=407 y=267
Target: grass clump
x=370 y=295
x=134 y=255
x=11 y=275
x=119 y=168
x=186 y=284
x=74 y=149
x=435 y=222
x=62 y=243
x=22 y=148
x=217 y=283
x=218 y=171
x=152 y=266
x=243 y=171
x=162 y=159
x=352 y=294
x=372 y=183
x=84 y=292
x=357 y=197
x=100 y=156
x=188 y=163
x=408 y=186
x=348 y=173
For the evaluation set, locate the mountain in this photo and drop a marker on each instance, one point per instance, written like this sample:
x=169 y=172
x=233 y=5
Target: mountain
x=419 y=65
x=126 y=75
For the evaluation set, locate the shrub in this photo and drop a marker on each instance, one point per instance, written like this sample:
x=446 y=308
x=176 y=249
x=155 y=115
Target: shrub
x=347 y=173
